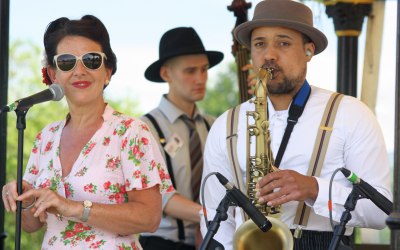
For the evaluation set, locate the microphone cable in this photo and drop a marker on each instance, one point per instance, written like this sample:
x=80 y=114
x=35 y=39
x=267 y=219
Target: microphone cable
x=330 y=205
x=203 y=202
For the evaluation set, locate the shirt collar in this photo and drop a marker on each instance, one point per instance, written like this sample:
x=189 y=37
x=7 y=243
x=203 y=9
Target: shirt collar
x=108 y=113
x=172 y=112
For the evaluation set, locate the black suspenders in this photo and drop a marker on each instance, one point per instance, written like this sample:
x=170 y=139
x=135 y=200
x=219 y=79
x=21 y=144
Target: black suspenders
x=163 y=141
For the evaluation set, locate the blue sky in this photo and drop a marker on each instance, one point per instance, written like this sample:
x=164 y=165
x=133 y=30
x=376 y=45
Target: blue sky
x=135 y=28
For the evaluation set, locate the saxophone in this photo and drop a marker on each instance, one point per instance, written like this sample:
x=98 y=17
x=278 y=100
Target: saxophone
x=249 y=236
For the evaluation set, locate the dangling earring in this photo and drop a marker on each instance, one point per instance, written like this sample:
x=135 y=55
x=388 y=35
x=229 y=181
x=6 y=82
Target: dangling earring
x=107 y=82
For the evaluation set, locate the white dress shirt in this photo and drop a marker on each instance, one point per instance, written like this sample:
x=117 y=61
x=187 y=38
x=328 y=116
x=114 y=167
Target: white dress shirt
x=356 y=143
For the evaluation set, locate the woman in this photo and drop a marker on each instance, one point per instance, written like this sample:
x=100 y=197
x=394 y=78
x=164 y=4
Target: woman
x=95 y=178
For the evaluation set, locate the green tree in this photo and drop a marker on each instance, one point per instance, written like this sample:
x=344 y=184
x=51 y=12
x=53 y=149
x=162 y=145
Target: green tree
x=223 y=94
x=25 y=79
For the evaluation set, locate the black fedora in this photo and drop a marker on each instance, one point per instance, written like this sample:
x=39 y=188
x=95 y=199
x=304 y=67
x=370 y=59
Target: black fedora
x=177 y=42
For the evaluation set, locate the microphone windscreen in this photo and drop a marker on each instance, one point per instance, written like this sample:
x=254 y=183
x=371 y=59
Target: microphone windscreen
x=57 y=91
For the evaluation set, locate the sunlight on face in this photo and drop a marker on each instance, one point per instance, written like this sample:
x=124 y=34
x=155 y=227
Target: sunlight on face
x=187 y=77
x=81 y=85
x=284 y=51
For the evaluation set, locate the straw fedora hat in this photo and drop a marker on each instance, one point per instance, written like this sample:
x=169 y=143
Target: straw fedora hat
x=284 y=13
x=177 y=42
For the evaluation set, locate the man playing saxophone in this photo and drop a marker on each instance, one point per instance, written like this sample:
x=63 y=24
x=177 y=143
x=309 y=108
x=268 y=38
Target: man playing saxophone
x=282 y=39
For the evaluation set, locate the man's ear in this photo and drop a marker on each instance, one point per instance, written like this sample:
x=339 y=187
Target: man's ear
x=164 y=73
x=310 y=49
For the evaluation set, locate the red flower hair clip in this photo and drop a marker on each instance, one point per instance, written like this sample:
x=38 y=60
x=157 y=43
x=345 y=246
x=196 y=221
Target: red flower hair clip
x=45 y=77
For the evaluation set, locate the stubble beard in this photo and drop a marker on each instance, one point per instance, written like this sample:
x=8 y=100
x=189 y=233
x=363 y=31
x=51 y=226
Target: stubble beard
x=287 y=85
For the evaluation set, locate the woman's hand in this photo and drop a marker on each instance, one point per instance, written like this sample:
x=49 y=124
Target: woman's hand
x=48 y=201
x=10 y=194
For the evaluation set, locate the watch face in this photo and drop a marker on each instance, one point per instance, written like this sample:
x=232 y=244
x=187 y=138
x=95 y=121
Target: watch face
x=87 y=203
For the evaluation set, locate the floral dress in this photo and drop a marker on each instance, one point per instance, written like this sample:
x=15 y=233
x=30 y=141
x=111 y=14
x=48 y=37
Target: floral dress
x=121 y=156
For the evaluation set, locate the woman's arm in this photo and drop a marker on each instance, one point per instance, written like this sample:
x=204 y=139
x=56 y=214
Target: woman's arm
x=142 y=212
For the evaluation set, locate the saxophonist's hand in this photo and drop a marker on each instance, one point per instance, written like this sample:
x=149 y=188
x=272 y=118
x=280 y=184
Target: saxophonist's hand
x=286 y=185
x=251 y=78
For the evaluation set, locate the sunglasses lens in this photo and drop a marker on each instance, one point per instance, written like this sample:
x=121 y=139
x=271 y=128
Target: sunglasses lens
x=92 y=60
x=66 y=62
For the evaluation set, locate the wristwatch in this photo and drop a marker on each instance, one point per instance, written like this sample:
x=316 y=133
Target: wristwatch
x=87 y=205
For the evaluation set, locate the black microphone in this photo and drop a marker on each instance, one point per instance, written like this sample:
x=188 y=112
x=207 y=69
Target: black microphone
x=370 y=192
x=54 y=93
x=242 y=201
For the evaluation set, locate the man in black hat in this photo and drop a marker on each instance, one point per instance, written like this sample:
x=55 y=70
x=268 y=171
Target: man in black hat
x=313 y=132
x=183 y=63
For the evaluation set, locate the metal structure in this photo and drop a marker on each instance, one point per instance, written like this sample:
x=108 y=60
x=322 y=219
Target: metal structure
x=4 y=44
x=348 y=17
x=394 y=219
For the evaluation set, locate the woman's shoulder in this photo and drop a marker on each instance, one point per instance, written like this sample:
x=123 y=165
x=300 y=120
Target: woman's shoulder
x=124 y=122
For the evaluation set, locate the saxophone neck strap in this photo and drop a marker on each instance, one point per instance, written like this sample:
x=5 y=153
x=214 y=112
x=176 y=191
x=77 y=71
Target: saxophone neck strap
x=295 y=111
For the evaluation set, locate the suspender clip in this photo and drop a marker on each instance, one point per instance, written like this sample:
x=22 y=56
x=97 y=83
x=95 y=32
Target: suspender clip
x=325 y=128
x=298 y=231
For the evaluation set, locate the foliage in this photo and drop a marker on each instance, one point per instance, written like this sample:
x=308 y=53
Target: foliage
x=24 y=79
x=222 y=95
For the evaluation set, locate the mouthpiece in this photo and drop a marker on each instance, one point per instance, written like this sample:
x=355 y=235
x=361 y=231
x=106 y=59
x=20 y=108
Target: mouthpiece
x=271 y=72
x=265 y=70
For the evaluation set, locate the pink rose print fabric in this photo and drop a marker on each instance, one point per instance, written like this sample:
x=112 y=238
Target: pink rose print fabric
x=121 y=156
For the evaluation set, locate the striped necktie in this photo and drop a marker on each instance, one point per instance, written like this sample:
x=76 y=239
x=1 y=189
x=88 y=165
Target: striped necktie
x=196 y=157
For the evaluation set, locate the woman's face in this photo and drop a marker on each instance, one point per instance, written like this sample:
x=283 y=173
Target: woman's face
x=82 y=86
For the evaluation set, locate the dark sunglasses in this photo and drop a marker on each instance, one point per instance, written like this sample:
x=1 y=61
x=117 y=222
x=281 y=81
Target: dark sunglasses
x=91 y=60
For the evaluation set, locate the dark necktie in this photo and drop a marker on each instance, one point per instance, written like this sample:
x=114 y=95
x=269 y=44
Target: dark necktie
x=196 y=157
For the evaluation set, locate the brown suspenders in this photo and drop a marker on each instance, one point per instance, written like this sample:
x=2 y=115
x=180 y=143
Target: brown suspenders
x=318 y=156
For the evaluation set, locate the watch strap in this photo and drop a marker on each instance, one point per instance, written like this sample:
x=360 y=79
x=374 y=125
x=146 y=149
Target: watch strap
x=86 y=212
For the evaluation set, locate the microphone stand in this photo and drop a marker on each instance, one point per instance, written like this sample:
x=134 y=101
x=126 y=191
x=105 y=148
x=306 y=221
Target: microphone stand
x=21 y=125
x=350 y=205
x=213 y=225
